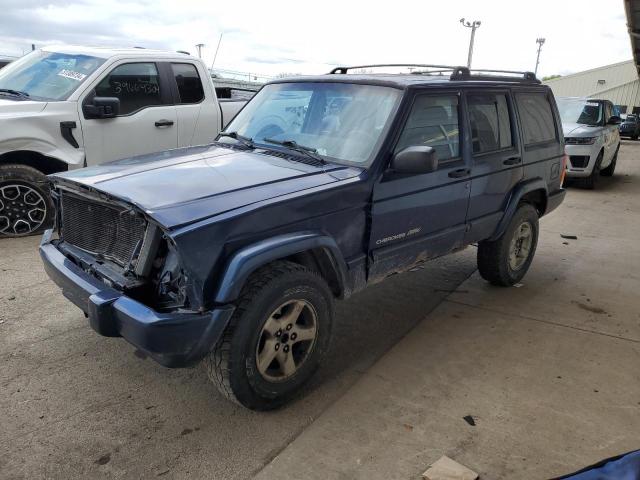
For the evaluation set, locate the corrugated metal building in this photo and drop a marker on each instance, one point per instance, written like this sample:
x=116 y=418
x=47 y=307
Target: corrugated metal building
x=618 y=82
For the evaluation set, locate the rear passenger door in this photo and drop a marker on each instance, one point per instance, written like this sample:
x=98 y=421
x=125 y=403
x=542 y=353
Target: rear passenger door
x=418 y=216
x=497 y=163
x=541 y=136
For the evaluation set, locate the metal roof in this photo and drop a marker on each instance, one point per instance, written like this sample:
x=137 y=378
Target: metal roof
x=632 y=10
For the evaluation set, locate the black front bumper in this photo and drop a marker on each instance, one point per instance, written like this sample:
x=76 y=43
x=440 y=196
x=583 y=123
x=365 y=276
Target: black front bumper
x=176 y=339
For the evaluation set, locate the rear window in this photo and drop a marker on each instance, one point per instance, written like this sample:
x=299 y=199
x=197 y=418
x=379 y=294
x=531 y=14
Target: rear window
x=538 y=125
x=189 y=84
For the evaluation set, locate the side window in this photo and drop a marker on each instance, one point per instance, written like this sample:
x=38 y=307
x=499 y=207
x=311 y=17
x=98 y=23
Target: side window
x=490 y=124
x=189 y=84
x=137 y=85
x=433 y=122
x=538 y=125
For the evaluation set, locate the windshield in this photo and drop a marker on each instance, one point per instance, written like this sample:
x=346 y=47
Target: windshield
x=341 y=121
x=579 y=110
x=48 y=75
x=631 y=119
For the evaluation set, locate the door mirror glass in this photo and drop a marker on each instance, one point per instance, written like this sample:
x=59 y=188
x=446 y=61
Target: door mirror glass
x=102 y=107
x=614 y=120
x=418 y=159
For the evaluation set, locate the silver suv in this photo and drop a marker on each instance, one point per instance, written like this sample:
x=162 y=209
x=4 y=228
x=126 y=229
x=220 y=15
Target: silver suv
x=591 y=138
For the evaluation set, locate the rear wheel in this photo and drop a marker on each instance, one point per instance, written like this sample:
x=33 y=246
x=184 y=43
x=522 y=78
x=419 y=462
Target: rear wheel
x=276 y=338
x=25 y=205
x=505 y=261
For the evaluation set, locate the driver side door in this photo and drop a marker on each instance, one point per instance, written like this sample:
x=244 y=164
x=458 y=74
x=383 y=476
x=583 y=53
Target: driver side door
x=146 y=123
x=415 y=217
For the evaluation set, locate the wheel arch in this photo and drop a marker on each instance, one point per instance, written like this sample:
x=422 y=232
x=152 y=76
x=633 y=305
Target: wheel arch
x=33 y=159
x=534 y=192
x=311 y=249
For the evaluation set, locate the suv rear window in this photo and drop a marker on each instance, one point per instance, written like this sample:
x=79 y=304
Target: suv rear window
x=189 y=84
x=490 y=124
x=538 y=124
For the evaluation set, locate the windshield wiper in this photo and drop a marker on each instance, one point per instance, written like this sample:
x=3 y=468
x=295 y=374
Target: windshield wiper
x=296 y=147
x=246 y=141
x=15 y=93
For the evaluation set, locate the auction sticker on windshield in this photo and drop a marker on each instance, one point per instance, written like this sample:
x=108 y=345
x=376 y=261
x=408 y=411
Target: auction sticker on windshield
x=77 y=76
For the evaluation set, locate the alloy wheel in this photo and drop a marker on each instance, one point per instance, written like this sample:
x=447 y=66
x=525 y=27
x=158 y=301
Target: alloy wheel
x=520 y=246
x=22 y=209
x=286 y=340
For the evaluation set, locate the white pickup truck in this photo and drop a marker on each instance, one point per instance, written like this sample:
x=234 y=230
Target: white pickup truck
x=68 y=107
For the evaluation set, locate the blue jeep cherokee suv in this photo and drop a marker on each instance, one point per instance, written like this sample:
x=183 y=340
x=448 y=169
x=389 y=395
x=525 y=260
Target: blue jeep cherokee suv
x=234 y=252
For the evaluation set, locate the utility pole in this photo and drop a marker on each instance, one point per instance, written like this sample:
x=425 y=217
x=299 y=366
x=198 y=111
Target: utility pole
x=473 y=26
x=199 y=47
x=540 y=42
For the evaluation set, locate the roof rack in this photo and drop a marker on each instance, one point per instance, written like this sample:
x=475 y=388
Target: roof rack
x=456 y=73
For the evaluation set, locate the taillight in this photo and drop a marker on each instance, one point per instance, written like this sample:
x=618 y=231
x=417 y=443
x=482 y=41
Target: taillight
x=563 y=172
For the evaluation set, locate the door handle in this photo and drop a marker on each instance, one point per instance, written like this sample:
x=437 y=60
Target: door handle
x=461 y=172
x=512 y=161
x=164 y=123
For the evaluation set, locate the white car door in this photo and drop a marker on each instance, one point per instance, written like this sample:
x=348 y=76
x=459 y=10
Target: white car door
x=146 y=122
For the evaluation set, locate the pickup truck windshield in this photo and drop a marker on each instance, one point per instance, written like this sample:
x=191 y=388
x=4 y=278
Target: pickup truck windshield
x=47 y=75
x=577 y=110
x=341 y=121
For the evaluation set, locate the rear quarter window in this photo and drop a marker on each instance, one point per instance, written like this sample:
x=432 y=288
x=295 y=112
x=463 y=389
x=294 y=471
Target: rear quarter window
x=536 y=115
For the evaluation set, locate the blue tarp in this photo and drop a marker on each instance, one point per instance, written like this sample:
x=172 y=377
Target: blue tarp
x=622 y=467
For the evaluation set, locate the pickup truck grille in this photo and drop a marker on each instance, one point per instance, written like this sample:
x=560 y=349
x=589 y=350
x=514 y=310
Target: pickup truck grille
x=100 y=229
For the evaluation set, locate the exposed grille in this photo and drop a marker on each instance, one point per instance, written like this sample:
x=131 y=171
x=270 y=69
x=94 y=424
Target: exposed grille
x=100 y=229
x=579 y=161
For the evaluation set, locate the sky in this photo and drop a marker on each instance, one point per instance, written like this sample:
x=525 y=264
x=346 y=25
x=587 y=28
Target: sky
x=271 y=37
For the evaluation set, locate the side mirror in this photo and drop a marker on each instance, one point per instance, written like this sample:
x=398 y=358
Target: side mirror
x=614 y=120
x=419 y=159
x=102 y=107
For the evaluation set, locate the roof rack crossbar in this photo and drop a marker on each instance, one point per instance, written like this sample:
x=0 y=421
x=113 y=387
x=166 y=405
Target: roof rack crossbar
x=457 y=73
x=344 y=70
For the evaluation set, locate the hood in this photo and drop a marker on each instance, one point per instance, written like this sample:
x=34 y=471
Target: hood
x=580 y=130
x=11 y=108
x=181 y=186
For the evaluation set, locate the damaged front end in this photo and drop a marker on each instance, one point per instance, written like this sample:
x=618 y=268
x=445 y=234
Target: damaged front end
x=123 y=270
x=119 y=245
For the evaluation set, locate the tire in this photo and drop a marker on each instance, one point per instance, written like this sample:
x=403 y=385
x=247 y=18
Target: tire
x=26 y=207
x=260 y=322
x=634 y=137
x=609 y=171
x=591 y=181
x=494 y=262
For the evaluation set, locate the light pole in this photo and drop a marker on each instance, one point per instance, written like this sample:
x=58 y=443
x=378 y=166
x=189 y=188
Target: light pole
x=199 y=47
x=540 y=42
x=472 y=25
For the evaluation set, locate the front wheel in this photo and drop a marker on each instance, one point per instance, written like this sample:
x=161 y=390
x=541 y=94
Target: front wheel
x=608 y=172
x=276 y=338
x=591 y=181
x=505 y=261
x=25 y=205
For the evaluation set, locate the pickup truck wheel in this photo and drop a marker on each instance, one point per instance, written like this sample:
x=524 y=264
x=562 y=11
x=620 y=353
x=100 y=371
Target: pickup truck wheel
x=276 y=338
x=25 y=205
x=505 y=261
x=608 y=172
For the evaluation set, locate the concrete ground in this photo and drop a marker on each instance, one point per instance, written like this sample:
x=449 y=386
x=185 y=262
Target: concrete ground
x=549 y=371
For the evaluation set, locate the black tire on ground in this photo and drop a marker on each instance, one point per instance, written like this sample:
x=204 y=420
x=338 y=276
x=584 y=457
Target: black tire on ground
x=26 y=207
x=634 y=137
x=233 y=363
x=591 y=181
x=609 y=171
x=494 y=256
